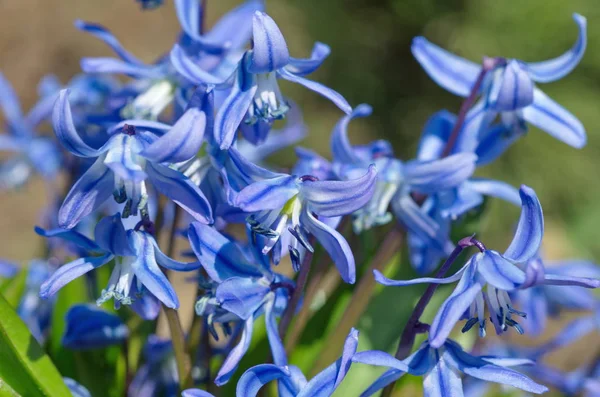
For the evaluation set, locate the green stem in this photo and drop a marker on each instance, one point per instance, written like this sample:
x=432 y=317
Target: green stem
x=184 y=366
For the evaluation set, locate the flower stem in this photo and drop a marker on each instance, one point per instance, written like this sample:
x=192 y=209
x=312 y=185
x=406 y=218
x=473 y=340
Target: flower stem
x=178 y=339
x=290 y=310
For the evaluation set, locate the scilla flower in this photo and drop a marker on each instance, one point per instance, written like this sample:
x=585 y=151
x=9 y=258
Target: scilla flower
x=91 y=327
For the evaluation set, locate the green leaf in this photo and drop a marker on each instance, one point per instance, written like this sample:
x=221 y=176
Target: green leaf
x=13 y=289
x=7 y=391
x=25 y=366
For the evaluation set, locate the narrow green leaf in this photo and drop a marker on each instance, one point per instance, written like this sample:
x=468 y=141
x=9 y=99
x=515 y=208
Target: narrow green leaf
x=25 y=366
x=7 y=391
x=13 y=289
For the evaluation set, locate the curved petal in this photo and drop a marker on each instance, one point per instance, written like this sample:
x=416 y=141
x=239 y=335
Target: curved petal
x=163 y=260
x=381 y=279
x=334 y=243
x=303 y=67
x=190 y=17
x=336 y=198
x=101 y=33
x=111 y=236
x=435 y=135
x=180 y=143
x=554 y=69
x=268 y=194
x=275 y=341
x=235 y=356
x=442 y=381
x=499 y=189
x=381 y=359
x=530 y=230
x=341 y=148
x=121 y=158
x=453 y=73
x=69 y=272
x=9 y=102
x=113 y=65
x=91 y=190
x=552 y=118
x=335 y=97
x=70 y=235
x=500 y=272
x=436 y=175
x=256 y=377
x=89 y=327
x=270 y=51
x=242 y=296
x=195 y=393
x=191 y=71
x=64 y=128
x=181 y=190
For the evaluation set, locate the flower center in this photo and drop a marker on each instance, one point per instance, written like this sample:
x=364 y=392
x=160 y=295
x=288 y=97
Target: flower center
x=268 y=103
x=119 y=284
x=150 y=104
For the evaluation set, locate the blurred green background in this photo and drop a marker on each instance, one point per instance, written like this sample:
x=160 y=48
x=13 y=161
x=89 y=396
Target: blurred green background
x=370 y=63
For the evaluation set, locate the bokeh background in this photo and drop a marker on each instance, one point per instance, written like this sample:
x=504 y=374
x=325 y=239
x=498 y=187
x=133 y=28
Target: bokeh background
x=370 y=63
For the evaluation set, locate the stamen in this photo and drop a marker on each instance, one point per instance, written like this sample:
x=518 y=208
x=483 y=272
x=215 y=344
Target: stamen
x=300 y=234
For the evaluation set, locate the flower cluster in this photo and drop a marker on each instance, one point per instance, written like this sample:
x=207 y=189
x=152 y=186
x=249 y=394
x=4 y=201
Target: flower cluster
x=169 y=160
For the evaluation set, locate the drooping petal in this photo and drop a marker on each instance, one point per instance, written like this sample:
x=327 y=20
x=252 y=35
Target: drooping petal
x=90 y=327
x=303 y=67
x=334 y=243
x=147 y=271
x=72 y=236
x=494 y=188
x=436 y=175
x=381 y=279
x=242 y=296
x=275 y=341
x=552 y=118
x=235 y=356
x=195 y=393
x=270 y=50
x=91 y=190
x=69 y=272
x=190 y=70
x=530 y=230
x=111 y=236
x=181 y=190
x=163 y=260
x=220 y=257
x=554 y=69
x=511 y=88
x=586 y=282
x=452 y=72
x=9 y=102
x=336 y=198
x=381 y=359
x=442 y=380
x=101 y=33
x=268 y=194
x=64 y=128
x=341 y=148
x=117 y=66
x=500 y=272
x=256 y=377
x=335 y=97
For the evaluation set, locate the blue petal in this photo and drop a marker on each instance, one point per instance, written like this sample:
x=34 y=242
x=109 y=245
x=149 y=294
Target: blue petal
x=101 y=33
x=435 y=135
x=500 y=272
x=89 y=327
x=147 y=271
x=235 y=356
x=117 y=66
x=554 y=279
x=190 y=70
x=239 y=172
x=534 y=303
x=381 y=279
x=268 y=194
x=8 y=269
x=155 y=127
x=436 y=175
x=552 y=118
x=573 y=331
x=341 y=148
x=530 y=230
x=189 y=15
x=235 y=27
x=69 y=272
x=388 y=377
x=455 y=306
x=335 y=97
x=121 y=158
x=111 y=236
x=181 y=190
x=220 y=257
x=334 y=243
x=303 y=67
x=195 y=393
x=256 y=377
x=242 y=296
x=453 y=73
x=554 y=69
x=381 y=359
x=180 y=143
x=166 y=262
x=270 y=50
x=76 y=389
x=494 y=188
x=336 y=198
x=275 y=342
x=511 y=88
x=442 y=381
x=89 y=192
x=147 y=306
x=494 y=142
x=70 y=235
x=9 y=102
x=64 y=128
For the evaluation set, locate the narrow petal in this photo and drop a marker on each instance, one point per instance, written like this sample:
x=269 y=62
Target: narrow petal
x=117 y=66
x=90 y=327
x=268 y=194
x=453 y=73
x=256 y=377
x=554 y=69
x=181 y=190
x=190 y=18
x=163 y=260
x=190 y=70
x=303 y=67
x=242 y=296
x=380 y=359
x=180 y=143
x=111 y=236
x=275 y=341
x=147 y=271
x=64 y=128
x=9 y=102
x=500 y=272
x=336 y=198
x=335 y=97
x=72 y=236
x=494 y=188
x=341 y=148
x=343 y=366
x=530 y=230
x=270 y=50
x=381 y=279
x=334 y=243
x=89 y=192
x=586 y=282
x=101 y=33
x=552 y=118
x=388 y=377
x=239 y=172
x=69 y=272
x=437 y=175
x=219 y=256
x=508 y=361
x=195 y=393
x=235 y=356
x=442 y=381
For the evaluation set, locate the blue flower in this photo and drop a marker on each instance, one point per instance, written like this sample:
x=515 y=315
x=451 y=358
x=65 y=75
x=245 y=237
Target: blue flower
x=440 y=367
x=255 y=100
x=133 y=153
x=31 y=153
x=292 y=382
x=241 y=289
x=137 y=259
x=509 y=91
x=90 y=327
x=8 y=269
x=279 y=204
x=35 y=312
x=499 y=274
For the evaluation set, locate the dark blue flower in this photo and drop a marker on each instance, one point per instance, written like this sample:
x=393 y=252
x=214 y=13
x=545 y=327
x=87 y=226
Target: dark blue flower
x=90 y=327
